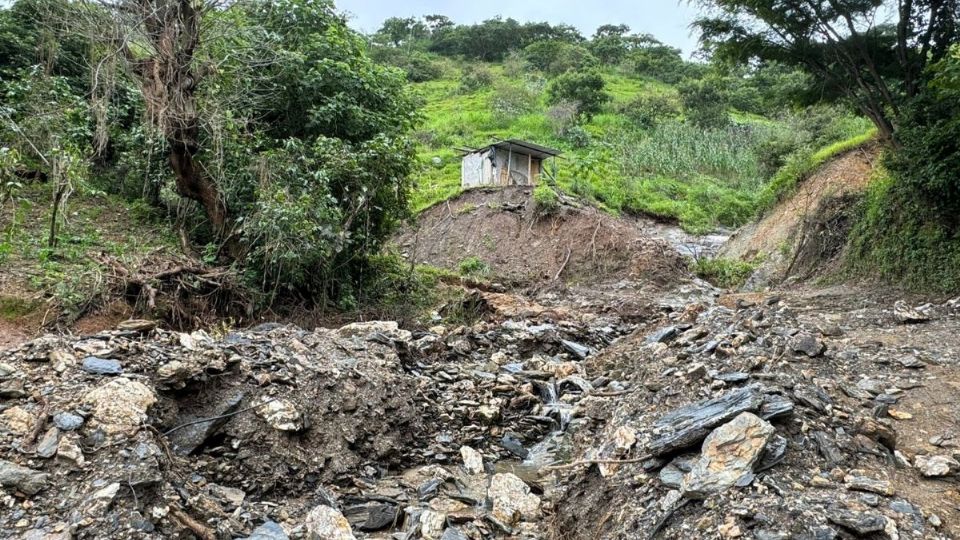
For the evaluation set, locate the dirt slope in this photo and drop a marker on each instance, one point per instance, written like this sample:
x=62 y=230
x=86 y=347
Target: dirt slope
x=500 y=227
x=783 y=234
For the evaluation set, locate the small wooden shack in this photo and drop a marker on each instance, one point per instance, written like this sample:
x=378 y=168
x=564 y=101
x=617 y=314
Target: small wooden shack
x=509 y=162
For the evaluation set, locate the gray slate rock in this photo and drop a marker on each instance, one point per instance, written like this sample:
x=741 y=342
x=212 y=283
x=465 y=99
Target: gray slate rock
x=687 y=426
x=575 y=348
x=858 y=522
x=268 y=531
x=804 y=343
x=20 y=478
x=453 y=533
x=67 y=421
x=663 y=335
x=101 y=366
x=47 y=446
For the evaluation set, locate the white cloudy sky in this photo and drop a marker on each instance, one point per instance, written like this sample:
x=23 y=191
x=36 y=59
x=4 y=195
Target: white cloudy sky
x=668 y=20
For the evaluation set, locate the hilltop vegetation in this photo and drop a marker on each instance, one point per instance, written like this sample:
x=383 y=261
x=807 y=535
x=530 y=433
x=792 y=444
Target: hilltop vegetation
x=643 y=130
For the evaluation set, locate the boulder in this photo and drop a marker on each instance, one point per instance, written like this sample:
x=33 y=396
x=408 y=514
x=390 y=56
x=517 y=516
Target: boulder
x=935 y=466
x=120 y=404
x=326 y=523
x=688 y=425
x=28 y=481
x=512 y=500
x=727 y=456
x=282 y=415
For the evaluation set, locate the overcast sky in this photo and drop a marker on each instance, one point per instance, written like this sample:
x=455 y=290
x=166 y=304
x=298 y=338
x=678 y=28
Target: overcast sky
x=668 y=20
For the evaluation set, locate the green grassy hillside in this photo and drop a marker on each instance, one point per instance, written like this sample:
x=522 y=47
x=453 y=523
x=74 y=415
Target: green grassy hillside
x=643 y=153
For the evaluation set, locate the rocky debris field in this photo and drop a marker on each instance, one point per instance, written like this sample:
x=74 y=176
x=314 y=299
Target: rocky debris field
x=774 y=418
x=366 y=431
x=797 y=416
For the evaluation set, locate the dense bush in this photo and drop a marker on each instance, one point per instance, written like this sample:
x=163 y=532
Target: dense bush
x=475 y=77
x=705 y=104
x=586 y=89
x=556 y=57
x=648 y=110
x=512 y=100
x=418 y=66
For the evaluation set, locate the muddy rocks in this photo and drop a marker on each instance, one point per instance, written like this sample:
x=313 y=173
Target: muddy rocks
x=326 y=523
x=432 y=524
x=375 y=329
x=511 y=499
x=70 y=451
x=808 y=344
x=120 y=404
x=101 y=366
x=22 y=479
x=904 y=314
x=281 y=415
x=727 y=456
x=936 y=466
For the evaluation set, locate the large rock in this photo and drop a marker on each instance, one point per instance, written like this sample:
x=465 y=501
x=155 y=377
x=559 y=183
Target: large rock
x=688 y=425
x=28 y=481
x=512 y=500
x=373 y=329
x=728 y=455
x=934 y=466
x=282 y=415
x=120 y=404
x=326 y=523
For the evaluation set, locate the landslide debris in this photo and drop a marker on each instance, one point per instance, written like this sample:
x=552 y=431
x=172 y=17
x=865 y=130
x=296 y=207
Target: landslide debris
x=764 y=420
x=364 y=431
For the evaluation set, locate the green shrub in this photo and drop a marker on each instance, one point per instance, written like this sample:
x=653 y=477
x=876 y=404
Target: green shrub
x=705 y=104
x=475 y=77
x=648 y=110
x=473 y=267
x=512 y=100
x=545 y=199
x=725 y=273
x=586 y=89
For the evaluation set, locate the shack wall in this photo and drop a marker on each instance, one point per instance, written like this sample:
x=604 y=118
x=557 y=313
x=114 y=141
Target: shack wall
x=472 y=170
x=519 y=174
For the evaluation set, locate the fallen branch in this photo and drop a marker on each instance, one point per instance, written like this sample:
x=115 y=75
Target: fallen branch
x=188 y=522
x=562 y=266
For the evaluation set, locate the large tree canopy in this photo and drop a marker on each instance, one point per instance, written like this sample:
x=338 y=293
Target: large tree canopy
x=871 y=52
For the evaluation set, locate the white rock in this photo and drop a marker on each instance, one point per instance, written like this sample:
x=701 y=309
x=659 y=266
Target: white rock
x=512 y=500
x=432 y=524
x=325 y=523
x=281 y=414
x=933 y=466
x=120 y=404
x=472 y=460
x=366 y=329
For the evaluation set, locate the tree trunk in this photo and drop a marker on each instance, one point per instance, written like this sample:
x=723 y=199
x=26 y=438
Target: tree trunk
x=193 y=184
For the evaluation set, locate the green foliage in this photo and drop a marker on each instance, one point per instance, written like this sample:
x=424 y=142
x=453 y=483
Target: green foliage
x=897 y=238
x=473 y=267
x=556 y=57
x=725 y=273
x=545 y=199
x=475 y=77
x=583 y=88
x=512 y=100
x=705 y=104
x=648 y=110
x=418 y=65
x=908 y=232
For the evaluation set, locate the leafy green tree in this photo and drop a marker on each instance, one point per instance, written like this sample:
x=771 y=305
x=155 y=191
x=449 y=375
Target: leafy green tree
x=847 y=45
x=397 y=31
x=554 y=57
x=705 y=103
x=610 y=44
x=586 y=89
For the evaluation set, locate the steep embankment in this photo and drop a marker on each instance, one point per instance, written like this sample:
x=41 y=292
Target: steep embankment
x=804 y=234
x=498 y=233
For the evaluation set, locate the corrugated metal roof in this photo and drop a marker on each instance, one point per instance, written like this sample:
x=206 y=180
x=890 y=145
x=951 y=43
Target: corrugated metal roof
x=521 y=147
